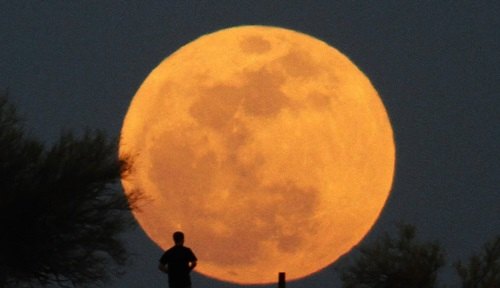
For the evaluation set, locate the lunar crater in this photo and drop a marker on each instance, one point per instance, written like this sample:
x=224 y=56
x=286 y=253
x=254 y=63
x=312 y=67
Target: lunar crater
x=259 y=96
x=255 y=45
x=299 y=63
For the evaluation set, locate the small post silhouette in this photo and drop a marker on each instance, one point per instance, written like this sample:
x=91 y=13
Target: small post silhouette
x=281 y=280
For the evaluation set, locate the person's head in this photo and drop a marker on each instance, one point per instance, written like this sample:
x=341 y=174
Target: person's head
x=178 y=238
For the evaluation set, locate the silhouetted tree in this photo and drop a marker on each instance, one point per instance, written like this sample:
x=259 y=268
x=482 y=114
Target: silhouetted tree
x=61 y=213
x=482 y=270
x=394 y=262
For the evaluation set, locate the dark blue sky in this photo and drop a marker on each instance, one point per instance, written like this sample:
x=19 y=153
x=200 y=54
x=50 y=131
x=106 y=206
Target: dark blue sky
x=436 y=65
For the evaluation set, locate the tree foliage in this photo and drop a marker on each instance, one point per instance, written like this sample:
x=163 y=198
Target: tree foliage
x=482 y=270
x=393 y=262
x=61 y=213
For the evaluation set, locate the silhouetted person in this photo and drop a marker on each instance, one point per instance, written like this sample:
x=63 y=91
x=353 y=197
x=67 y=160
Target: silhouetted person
x=178 y=262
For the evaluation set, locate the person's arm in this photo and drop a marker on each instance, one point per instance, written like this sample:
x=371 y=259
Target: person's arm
x=163 y=268
x=192 y=264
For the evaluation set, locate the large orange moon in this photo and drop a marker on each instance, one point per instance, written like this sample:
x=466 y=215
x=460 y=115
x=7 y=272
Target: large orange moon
x=269 y=148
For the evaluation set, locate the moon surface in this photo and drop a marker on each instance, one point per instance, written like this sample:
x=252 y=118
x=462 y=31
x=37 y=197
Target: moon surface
x=270 y=149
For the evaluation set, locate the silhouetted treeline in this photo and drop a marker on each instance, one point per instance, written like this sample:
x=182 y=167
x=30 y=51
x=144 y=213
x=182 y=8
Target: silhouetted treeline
x=61 y=212
x=482 y=270
x=402 y=261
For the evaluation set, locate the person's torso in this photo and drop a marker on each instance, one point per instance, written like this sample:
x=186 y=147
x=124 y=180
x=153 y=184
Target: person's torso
x=177 y=259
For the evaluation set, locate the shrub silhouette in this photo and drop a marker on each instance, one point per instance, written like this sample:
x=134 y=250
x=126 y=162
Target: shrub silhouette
x=481 y=270
x=395 y=262
x=61 y=212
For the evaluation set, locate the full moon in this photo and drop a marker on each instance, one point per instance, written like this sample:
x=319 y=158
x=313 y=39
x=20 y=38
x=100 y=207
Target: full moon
x=267 y=147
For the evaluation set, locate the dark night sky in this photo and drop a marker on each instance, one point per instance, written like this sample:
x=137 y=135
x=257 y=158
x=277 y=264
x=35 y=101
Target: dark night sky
x=436 y=65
